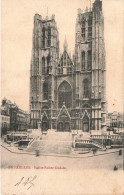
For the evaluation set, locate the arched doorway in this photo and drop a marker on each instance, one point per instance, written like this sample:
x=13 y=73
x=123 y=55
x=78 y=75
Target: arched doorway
x=63 y=123
x=45 y=123
x=65 y=95
x=63 y=126
x=60 y=126
x=85 y=124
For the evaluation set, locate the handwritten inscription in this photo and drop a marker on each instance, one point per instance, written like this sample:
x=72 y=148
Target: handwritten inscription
x=27 y=182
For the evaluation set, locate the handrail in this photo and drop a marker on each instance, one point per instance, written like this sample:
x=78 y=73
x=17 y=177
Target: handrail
x=90 y=141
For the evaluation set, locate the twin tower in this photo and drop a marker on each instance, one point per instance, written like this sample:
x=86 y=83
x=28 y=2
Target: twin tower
x=69 y=94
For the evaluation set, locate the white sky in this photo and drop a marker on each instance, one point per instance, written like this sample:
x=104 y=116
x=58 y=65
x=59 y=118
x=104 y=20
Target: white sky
x=17 y=27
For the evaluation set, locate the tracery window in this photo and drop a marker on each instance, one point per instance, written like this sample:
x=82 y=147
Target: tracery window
x=45 y=91
x=48 y=63
x=83 y=60
x=43 y=65
x=65 y=95
x=90 y=27
x=49 y=37
x=90 y=21
x=89 y=59
x=86 y=88
x=43 y=37
x=83 y=28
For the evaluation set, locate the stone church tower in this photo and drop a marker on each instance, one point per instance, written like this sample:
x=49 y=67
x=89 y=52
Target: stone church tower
x=68 y=94
x=90 y=66
x=45 y=54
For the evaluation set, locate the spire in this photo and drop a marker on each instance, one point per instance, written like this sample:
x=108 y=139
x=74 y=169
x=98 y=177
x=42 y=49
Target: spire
x=65 y=44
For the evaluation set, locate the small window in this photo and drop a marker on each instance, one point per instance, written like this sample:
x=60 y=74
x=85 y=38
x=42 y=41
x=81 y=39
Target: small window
x=48 y=64
x=89 y=32
x=83 y=32
x=83 y=60
x=43 y=37
x=83 y=23
x=89 y=59
x=43 y=65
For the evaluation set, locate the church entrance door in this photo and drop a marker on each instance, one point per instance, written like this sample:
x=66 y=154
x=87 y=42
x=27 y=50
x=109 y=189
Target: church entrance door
x=67 y=126
x=63 y=126
x=85 y=127
x=85 y=124
x=45 y=124
x=60 y=126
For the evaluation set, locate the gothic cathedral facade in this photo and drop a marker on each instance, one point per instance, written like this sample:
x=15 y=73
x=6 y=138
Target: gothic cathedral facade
x=69 y=94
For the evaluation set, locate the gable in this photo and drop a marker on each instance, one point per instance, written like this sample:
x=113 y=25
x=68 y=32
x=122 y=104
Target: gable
x=63 y=113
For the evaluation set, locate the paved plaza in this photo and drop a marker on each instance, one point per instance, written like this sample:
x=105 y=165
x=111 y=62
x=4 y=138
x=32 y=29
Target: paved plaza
x=100 y=160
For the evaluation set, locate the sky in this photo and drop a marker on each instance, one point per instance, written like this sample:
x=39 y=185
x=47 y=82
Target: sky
x=16 y=35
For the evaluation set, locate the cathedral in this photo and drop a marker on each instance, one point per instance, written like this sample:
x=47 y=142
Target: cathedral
x=69 y=93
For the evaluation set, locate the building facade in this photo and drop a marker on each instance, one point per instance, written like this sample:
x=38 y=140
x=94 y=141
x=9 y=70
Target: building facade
x=13 y=118
x=19 y=119
x=5 y=123
x=69 y=93
x=115 y=120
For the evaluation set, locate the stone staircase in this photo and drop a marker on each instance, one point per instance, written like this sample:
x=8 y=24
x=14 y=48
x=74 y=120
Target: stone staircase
x=89 y=142
x=52 y=143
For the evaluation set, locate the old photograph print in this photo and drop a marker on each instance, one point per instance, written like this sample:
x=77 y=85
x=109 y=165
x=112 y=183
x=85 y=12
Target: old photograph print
x=62 y=117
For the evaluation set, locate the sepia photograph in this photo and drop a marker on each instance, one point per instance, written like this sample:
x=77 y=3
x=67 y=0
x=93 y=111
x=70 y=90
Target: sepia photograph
x=62 y=97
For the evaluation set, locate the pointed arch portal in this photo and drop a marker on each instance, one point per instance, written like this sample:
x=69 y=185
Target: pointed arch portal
x=63 y=121
x=45 y=123
x=85 y=124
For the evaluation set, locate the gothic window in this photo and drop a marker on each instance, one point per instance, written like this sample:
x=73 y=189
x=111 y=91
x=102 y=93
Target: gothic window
x=83 y=32
x=83 y=60
x=90 y=27
x=48 y=63
x=86 y=88
x=65 y=95
x=69 y=70
x=43 y=65
x=89 y=32
x=37 y=67
x=45 y=91
x=83 y=23
x=49 y=37
x=89 y=59
x=90 y=21
x=43 y=37
x=83 y=28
